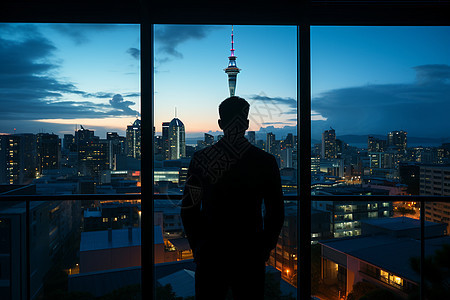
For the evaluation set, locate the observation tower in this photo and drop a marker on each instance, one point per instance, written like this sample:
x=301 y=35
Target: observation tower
x=232 y=70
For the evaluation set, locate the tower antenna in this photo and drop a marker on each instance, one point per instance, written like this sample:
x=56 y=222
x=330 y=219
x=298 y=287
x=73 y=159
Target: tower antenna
x=232 y=40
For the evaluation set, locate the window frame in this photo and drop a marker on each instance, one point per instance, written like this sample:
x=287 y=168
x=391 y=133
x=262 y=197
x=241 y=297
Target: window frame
x=303 y=15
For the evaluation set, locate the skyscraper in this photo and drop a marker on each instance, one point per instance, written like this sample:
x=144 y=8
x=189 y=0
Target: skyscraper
x=270 y=143
x=116 y=147
x=177 y=143
x=134 y=139
x=48 y=151
x=92 y=153
x=232 y=70
x=209 y=139
x=165 y=140
x=375 y=145
x=10 y=159
x=329 y=144
x=397 y=139
x=68 y=141
x=28 y=156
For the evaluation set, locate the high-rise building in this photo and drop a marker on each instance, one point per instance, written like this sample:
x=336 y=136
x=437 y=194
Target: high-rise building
x=83 y=134
x=177 y=142
x=68 y=141
x=232 y=70
x=289 y=141
x=209 y=139
x=286 y=157
x=435 y=181
x=134 y=139
x=10 y=159
x=270 y=143
x=375 y=145
x=48 y=151
x=397 y=139
x=165 y=140
x=92 y=153
x=116 y=147
x=28 y=156
x=329 y=144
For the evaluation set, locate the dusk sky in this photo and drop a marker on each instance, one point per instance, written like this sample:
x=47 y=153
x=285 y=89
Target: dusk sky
x=365 y=80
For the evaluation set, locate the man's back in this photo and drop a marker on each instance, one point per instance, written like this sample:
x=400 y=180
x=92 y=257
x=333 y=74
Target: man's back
x=231 y=179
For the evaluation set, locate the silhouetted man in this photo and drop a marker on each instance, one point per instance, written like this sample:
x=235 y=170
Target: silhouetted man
x=222 y=210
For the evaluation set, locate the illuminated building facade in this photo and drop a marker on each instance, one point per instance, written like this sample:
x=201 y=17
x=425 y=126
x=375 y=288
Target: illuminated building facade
x=165 y=140
x=375 y=145
x=92 y=153
x=329 y=144
x=346 y=216
x=346 y=262
x=177 y=142
x=10 y=159
x=134 y=139
x=435 y=181
x=397 y=139
x=48 y=151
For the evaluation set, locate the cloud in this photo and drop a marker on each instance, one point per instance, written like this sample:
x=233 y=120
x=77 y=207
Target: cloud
x=118 y=103
x=100 y=95
x=169 y=37
x=73 y=31
x=80 y=33
x=135 y=53
x=291 y=103
x=30 y=90
x=421 y=107
x=432 y=74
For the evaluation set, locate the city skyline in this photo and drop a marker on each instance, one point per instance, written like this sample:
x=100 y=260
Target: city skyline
x=365 y=80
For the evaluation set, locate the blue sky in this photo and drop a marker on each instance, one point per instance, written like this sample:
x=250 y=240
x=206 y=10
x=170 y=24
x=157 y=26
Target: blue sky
x=365 y=80
x=54 y=76
x=196 y=83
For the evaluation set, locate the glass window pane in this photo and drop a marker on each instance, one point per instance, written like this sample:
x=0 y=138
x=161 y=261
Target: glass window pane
x=70 y=107
x=378 y=100
x=377 y=95
x=69 y=97
x=196 y=68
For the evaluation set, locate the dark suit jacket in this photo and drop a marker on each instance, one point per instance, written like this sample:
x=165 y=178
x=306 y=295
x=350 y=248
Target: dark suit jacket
x=222 y=203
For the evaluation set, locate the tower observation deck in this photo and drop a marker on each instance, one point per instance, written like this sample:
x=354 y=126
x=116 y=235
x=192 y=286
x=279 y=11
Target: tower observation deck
x=232 y=70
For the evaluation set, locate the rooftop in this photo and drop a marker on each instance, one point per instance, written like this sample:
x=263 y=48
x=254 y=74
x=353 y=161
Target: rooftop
x=399 y=223
x=98 y=240
x=387 y=252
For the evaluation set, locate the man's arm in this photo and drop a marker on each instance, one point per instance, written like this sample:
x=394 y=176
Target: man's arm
x=191 y=204
x=274 y=205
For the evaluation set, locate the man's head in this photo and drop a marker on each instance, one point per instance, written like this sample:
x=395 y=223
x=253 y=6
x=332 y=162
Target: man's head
x=233 y=114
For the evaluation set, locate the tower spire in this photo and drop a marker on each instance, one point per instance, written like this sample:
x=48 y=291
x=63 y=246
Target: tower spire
x=232 y=70
x=232 y=41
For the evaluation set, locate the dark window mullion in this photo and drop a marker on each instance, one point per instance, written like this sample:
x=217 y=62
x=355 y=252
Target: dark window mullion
x=147 y=89
x=304 y=133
